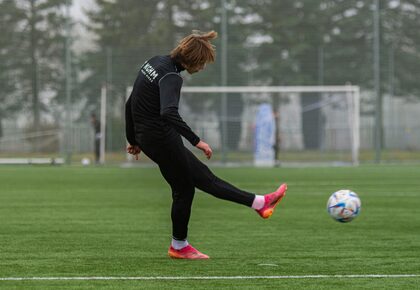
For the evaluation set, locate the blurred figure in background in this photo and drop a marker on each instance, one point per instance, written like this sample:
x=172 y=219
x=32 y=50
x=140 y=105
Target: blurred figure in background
x=97 y=140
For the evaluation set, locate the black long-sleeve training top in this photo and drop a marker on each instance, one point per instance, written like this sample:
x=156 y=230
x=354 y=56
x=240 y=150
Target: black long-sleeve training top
x=151 y=111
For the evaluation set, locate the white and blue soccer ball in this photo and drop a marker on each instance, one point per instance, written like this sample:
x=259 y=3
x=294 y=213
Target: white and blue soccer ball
x=344 y=205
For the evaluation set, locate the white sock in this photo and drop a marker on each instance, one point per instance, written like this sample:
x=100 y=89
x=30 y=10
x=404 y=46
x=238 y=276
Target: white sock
x=258 y=202
x=179 y=244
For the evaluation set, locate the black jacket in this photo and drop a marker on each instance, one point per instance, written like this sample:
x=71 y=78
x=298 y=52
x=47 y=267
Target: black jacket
x=151 y=111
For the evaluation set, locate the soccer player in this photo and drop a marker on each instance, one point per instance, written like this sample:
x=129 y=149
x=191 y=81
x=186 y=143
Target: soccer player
x=154 y=126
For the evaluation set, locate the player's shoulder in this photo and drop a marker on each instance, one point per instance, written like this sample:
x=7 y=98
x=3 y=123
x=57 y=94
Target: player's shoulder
x=164 y=64
x=158 y=67
x=168 y=70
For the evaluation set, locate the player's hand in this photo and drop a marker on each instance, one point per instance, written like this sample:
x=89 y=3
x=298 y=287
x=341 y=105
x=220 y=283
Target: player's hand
x=134 y=150
x=203 y=146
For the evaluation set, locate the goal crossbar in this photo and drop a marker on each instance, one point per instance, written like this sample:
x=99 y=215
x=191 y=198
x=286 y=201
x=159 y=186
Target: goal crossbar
x=270 y=89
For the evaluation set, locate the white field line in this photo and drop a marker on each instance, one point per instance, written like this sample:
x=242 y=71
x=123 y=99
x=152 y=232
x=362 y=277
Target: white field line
x=211 y=277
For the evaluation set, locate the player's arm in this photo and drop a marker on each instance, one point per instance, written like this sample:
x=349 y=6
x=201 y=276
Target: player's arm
x=129 y=123
x=132 y=147
x=170 y=90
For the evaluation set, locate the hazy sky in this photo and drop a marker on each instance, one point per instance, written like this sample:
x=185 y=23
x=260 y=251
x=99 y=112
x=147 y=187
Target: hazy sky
x=82 y=39
x=78 y=6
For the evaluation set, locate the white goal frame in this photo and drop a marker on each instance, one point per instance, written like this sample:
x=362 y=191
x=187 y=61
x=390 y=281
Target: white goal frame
x=349 y=90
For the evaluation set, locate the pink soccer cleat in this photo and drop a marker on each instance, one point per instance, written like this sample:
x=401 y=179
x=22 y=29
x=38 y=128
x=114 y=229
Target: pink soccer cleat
x=188 y=252
x=271 y=201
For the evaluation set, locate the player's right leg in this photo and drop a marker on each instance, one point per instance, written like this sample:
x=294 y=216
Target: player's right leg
x=205 y=180
x=271 y=201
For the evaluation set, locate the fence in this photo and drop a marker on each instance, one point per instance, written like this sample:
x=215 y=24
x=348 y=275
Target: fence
x=328 y=136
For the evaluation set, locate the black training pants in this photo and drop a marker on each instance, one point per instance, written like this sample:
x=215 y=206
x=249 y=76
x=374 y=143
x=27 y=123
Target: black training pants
x=184 y=172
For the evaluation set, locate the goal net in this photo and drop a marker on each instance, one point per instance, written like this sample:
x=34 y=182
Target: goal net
x=281 y=125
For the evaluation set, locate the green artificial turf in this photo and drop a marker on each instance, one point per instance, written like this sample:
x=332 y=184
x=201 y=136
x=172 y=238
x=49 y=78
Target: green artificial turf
x=115 y=222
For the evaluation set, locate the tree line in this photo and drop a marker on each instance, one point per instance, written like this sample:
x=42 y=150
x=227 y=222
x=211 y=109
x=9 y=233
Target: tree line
x=288 y=42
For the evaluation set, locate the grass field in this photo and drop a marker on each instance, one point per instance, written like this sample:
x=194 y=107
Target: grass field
x=115 y=222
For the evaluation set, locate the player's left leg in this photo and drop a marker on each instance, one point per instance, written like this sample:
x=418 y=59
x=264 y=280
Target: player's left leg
x=174 y=167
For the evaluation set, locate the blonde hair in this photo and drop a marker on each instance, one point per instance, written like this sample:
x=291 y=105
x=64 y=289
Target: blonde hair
x=195 y=49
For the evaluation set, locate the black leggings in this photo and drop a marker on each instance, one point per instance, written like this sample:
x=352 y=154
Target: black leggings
x=184 y=172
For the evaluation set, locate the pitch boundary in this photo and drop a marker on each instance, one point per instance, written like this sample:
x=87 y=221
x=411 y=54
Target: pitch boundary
x=93 y=278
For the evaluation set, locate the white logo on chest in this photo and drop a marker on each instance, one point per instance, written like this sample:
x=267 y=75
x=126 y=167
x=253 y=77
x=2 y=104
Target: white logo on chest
x=149 y=72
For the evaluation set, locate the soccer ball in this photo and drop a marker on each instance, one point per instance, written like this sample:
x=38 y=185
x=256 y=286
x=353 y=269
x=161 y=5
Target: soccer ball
x=85 y=161
x=344 y=205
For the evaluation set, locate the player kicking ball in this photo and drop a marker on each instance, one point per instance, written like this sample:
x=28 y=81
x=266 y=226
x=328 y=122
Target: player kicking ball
x=154 y=126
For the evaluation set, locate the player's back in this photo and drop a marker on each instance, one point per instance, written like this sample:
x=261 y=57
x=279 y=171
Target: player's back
x=146 y=100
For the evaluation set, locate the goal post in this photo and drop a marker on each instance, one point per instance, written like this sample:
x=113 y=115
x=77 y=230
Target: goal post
x=313 y=124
